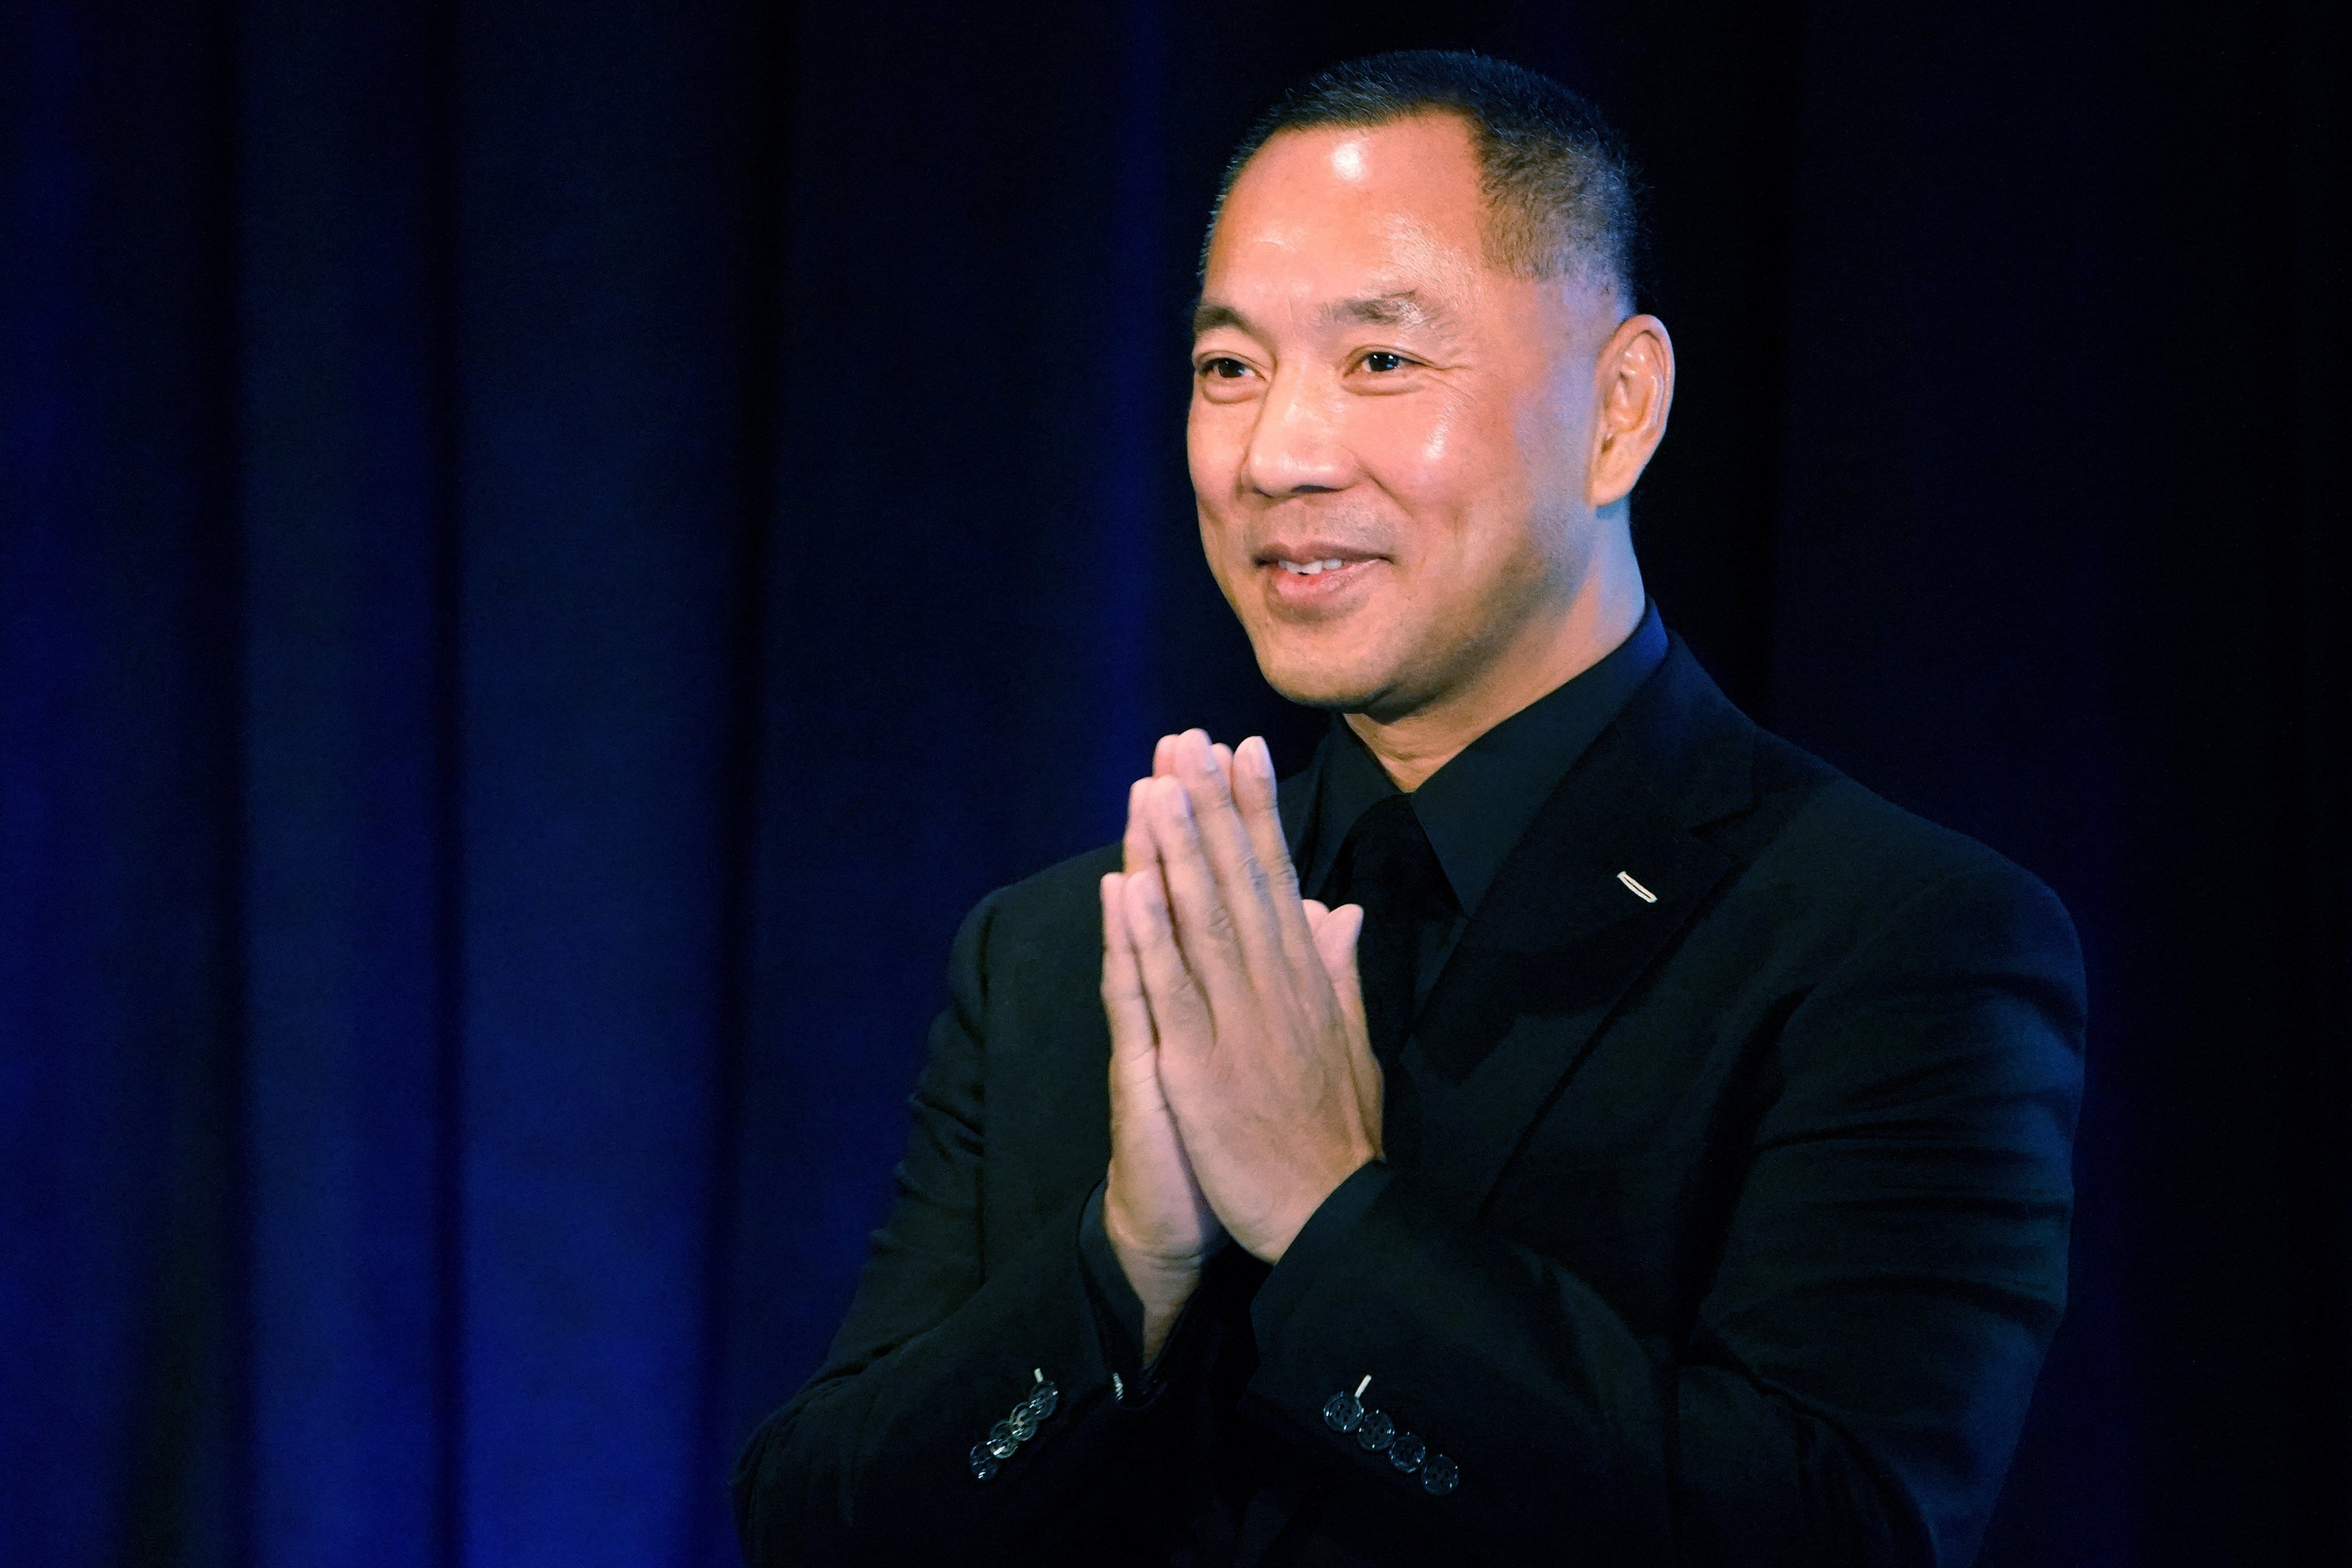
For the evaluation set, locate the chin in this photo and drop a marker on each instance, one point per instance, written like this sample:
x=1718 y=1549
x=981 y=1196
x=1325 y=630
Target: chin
x=1312 y=680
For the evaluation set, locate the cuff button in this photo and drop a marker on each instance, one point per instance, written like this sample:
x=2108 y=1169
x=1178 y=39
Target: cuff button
x=1438 y=1475
x=983 y=1463
x=1406 y=1452
x=1376 y=1432
x=1342 y=1413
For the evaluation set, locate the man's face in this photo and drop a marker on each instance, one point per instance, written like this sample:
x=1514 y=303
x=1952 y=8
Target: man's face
x=1389 y=436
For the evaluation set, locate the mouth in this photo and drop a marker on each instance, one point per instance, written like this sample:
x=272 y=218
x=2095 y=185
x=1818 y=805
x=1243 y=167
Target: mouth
x=1314 y=568
x=1313 y=574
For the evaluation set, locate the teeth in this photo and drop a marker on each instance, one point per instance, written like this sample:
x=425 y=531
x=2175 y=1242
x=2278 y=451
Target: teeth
x=1312 y=568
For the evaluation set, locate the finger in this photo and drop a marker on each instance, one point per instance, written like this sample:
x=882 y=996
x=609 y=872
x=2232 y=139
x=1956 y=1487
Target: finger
x=1251 y=900
x=1124 y=1006
x=1163 y=757
x=1335 y=944
x=1179 y=1012
x=1255 y=798
x=1135 y=845
x=1315 y=912
x=1225 y=926
x=1199 y=924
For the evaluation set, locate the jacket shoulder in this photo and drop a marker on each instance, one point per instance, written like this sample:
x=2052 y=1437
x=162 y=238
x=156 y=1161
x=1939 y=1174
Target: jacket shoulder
x=1050 y=894
x=1054 y=917
x=1858 y=858
x=1770 y=804
x=1821 y=812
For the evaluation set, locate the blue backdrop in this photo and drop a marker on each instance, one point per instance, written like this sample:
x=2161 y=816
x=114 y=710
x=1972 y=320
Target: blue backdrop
x=547 y=552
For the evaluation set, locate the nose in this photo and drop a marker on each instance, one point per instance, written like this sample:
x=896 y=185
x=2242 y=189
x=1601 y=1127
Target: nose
x=1295 y=446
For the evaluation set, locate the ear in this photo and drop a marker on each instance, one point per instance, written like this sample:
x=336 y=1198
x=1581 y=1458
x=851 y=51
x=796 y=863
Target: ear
x=1634 y=386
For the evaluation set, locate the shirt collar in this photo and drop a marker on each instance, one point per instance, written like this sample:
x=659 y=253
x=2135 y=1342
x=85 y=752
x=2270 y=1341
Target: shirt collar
x=1476 y=807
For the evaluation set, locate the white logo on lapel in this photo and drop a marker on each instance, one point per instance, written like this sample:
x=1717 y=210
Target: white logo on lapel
x=1638 y=890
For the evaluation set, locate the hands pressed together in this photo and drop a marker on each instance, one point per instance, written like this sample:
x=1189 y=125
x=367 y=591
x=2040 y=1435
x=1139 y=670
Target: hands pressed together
x=1243 y=1085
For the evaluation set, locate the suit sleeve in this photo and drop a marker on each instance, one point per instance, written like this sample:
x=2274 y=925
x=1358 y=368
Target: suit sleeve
x=1889 y=1278
x=872 y=1460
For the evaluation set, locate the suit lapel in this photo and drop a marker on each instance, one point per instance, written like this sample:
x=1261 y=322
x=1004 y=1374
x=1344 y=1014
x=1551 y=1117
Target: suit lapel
x=1566 y=929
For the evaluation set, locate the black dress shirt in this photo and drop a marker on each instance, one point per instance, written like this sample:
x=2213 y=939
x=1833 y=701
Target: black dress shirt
x=1474 y=809
x=1478 y=805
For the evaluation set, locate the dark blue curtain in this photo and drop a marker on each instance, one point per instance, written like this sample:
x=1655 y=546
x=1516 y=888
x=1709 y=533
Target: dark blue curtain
x=547 y=552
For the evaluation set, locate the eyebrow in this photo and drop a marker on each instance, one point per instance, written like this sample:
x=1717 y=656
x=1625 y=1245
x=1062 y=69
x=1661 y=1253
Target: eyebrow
x=1399 y=307
x=1208 y=315
x=1402 y=308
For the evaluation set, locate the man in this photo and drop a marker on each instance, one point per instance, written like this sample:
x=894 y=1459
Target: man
x=1642 y=1145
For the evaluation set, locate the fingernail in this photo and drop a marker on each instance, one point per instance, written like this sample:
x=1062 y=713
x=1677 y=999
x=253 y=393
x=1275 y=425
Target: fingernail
x=1261 y=760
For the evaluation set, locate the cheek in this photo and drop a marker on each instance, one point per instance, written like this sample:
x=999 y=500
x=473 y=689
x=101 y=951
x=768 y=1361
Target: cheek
x=1414 y=448
x=1446 y=461
x=1215 y=437
x=1209 y=454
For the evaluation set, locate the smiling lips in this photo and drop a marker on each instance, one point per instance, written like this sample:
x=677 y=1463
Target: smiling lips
x=1317 y=576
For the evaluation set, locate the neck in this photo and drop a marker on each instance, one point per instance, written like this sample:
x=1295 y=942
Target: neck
x=1600 y=614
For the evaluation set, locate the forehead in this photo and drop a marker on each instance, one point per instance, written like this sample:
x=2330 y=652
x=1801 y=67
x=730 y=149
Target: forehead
x=1354 y=209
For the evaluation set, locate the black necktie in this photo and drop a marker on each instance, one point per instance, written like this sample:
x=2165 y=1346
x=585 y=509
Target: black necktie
x=1387 y=865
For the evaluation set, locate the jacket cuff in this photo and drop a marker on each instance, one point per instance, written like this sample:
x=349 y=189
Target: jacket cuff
x=1350 y=1314
x=1118 y=1311
x=1310 y=1251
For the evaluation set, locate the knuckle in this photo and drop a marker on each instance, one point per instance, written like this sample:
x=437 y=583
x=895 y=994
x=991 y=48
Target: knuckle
x=1261 y=880
x=1218 y=924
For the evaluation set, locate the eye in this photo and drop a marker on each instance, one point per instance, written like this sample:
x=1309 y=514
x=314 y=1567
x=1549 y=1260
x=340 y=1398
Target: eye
x=1379 y=361
x=1223 y=368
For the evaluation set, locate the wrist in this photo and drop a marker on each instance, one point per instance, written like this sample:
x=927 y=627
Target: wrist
x=1147 y=1247
x=1163 y=1288
x=1153 y=1273
x=1275 y=1241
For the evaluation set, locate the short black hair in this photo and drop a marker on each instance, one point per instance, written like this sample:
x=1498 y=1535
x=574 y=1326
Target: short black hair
x=1562 y=190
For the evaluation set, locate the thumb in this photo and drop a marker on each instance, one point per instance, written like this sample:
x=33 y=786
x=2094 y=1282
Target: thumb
x=1335 y=944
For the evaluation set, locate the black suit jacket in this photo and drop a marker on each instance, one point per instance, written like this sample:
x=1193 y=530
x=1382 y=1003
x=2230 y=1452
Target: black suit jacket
x=1738 y=1237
